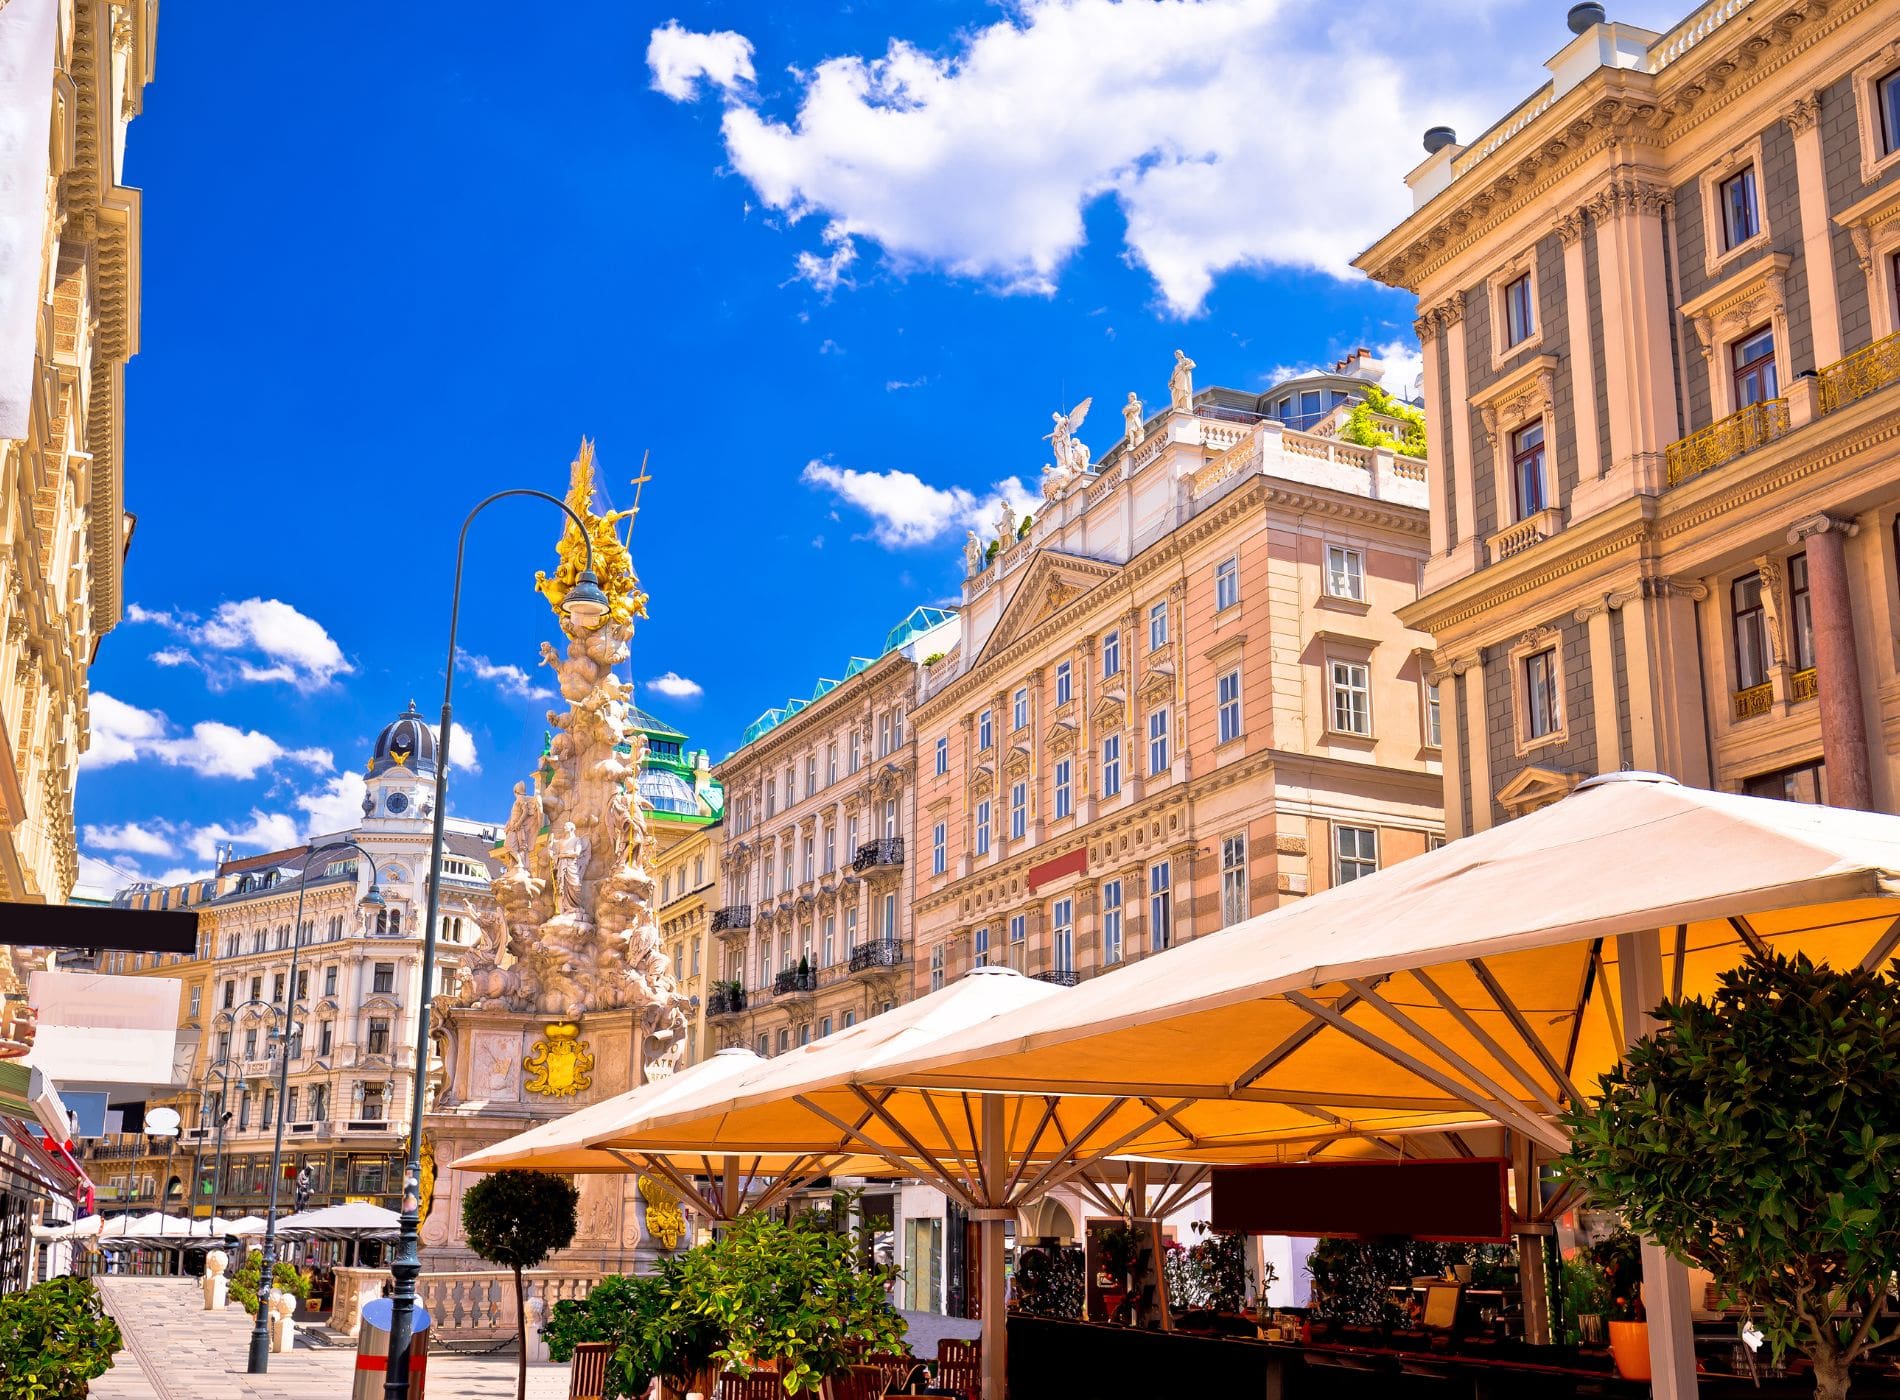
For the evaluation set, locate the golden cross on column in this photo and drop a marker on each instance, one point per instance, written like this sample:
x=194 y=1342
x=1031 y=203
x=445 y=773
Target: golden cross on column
x=639 y=485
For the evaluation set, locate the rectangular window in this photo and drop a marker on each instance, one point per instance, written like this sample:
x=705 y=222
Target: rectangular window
x=1019 y=710
x=980 y=947
x=230 y=990
x=824 y=1027
x=1345 y=573
x=983 y=827
x=765 y=1044
x=1227 y=692
x=1111 y=654
x=1750 y=627
x=1062 y=946
x=1540 y=693
x=1233 y=879
x=857 y=754
x=276 y=988
x=1019 y=942
x=1739 y=220
x=257 y=988
x=939 y=849
x=1520 y=317
x=1887 y=95
x=1158 y=626
x=1063 y=787
x=765 y=878
x=1158 y=742
x=1756 y=379
x=811 y=858
x=943 y=757
x=831 y=849
x=1352 y=697
x=831 y=940
x=325 y=1033
x=936 y=968
x=383 y=978
x=1111 y=922
x=1226 y=583
x=1311 y=405
x=1433 y=729
x=1065 y=683
x=1527 y=469
x=983 y=735
x=1801 y=605
x=1018 y=811
x=811 y=774
x=831 y=763
x=1159 y=907
x=890 y=918
x=884 y=734
x=197 y=1000
x=771 y=796
x=1111 y=765
x=1355 y=852
x=378 y=1035
x=250 y=1043
x=850 y=932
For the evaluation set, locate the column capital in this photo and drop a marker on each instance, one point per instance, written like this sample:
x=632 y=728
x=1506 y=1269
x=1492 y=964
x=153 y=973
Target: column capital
x=1802 y=114
x=1596 y=607
x=1569 y=227
x=1821 y=524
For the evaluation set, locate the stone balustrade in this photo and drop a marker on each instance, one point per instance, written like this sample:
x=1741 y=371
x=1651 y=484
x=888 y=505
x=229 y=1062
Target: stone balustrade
x=473 y=1304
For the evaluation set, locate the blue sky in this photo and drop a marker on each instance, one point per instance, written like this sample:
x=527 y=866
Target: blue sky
x=833 y=266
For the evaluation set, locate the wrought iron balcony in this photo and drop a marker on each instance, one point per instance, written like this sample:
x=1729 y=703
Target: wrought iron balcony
x=1871 y=367
x=1754 y=700
x=1726 y=439
x=882 y=953
x=875 y=854
x=793 y=982
x=726 y=1001
x=1804 y=685
x=1062 y=977
x=733 y=916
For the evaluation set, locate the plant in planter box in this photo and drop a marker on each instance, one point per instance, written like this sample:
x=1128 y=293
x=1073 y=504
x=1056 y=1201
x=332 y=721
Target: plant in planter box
x=651 y=1336
x=55 y=1340
x=1211 y=1272
x=1757 y=1135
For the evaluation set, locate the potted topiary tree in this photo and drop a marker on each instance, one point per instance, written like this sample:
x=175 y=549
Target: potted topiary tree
x=1619 y=1264
x=516 y=1219
x=1757 y=1135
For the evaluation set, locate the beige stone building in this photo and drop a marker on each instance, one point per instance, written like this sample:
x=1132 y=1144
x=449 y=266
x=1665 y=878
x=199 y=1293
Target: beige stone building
x=814 y=930
x=1181 y=695
x=1658 y=309
x=69 y=320
x=688 y=872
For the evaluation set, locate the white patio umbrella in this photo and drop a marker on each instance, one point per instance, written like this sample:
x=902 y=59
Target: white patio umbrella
x=356 y=1220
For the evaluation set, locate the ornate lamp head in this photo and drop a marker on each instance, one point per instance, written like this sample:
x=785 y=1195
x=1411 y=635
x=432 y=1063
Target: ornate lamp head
x=585 y=604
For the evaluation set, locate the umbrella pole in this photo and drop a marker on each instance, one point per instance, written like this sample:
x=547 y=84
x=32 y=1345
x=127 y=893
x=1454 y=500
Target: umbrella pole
x=995 y=1354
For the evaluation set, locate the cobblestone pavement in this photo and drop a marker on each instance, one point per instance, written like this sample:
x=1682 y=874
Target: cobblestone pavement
x=175 y=1350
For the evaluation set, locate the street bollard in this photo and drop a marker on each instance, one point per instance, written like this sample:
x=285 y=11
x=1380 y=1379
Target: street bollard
x=372 y=1351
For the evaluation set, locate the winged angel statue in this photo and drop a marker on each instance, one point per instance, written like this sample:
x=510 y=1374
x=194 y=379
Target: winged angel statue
x=1071 y=454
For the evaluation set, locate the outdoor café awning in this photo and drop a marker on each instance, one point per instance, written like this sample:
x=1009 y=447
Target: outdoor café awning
x=353 y=1220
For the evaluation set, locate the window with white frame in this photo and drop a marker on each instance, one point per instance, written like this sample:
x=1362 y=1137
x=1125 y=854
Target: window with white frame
x=1158 y=741
x=1227 y=583
x=943 y=757
x=983 y=827
x=824 y=1027
x=885 y=741
x=771 y=796
x=1741 y=219
x=1019 y=709
x=936 y=968
x=1345 y=573
x=811 y=858
x=831 y=762
x=1160 y=906
x=831 y=848
x=1111 y=921
x=1019 y=942
x=1111 y=765
x=1227 y=696
x=850 y=1019
x=1018 y=811
x=1062 y=939
x=1352 y=697
x=1233 y=879
x=831 y=940
x=1433 y=727
x=1063 y=787
x=857 y=753
x=1111 y=654
x=980 y=947
x=939 y=849
x=850 y=932
x=1158 y=626
x=1520 y=310
x=889 y=930
x=1355 y=852
x=1065 y=682
x=811 y=774
x=1542 y=713
x=983 y=735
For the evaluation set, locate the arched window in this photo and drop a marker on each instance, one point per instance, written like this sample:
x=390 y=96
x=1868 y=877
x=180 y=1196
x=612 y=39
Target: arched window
x=395 y=923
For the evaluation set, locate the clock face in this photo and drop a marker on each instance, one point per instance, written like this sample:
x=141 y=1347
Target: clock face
x=397 y=802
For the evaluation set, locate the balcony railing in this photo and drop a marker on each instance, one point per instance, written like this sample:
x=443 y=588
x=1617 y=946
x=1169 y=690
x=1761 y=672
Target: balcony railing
x=733 y=916
x=727 y=1001
x=1754 y=700
x=1062 y=977
x=793 y=982
x=1861 y=373
x=1804 y=685
x=1726 y=439
x=872 y=854
x=883 y=953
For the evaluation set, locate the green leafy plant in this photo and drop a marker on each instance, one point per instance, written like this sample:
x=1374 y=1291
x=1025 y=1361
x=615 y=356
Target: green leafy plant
x=516 y=1219
x=1022 y=530
x=1049 y=1281
x=1363 y=427
x=1757 y=1135
x=1585 y=1292
x=55 y=1340
x=995 y=547
x=243 y=1281
x=1352 y=1279
x=794 y=1298
x=1211 y=1272
x=933 y=658
x=1619 y=1264
x=652 y=1334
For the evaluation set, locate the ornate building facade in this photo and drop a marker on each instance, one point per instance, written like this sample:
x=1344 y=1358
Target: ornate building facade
x=69 y=320
x=1659 y=310
x=684 y=804
x=1181 y=693
x=358 y=984
x=814 y=931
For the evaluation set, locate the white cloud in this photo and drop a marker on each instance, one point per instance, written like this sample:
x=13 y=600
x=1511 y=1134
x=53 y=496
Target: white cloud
x=118 y=731
x=1404 y=368
x=511 y=679
x=905 y=510
x=983 y=161
x=172 y=656
x=892 y=386
x=826 y=272
x=130 y=837
x=266 y=831
x=336 y=806
x=462 y=752
x=674 y=686
x=123 y=733
x=679 y=58
x=289 y=647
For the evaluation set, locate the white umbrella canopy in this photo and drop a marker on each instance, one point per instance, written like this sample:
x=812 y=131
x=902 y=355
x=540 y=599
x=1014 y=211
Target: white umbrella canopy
x=351 y=1220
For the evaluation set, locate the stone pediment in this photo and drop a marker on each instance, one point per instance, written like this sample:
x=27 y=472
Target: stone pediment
x=1534 y=788
x=1051 y=582
x=1061 y=737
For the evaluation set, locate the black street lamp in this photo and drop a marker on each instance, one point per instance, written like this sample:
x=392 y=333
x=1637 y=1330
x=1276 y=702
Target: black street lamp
x=287 y=1041
x=585 y=605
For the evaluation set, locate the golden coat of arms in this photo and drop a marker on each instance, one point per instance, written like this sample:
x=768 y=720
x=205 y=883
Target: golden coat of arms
x=666 y=1218
x=559 y=1066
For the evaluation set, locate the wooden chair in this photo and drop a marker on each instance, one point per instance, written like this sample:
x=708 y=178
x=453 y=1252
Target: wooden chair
x=753 y=1387
x=959 y=1349
x=859 y=1383
x=587 y=1377
x=892 y=1367
x=964 y=1377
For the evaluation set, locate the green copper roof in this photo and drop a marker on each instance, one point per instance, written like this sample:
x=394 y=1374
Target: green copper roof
x=650 y=726
x=920 y=620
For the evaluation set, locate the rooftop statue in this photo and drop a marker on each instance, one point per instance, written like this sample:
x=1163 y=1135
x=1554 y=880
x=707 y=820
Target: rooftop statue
x=1181 y=381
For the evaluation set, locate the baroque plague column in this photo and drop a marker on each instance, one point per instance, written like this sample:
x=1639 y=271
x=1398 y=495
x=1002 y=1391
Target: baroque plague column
x=570 y=998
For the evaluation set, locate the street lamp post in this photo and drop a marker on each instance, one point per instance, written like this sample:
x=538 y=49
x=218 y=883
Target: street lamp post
x=372 y=899
x=227 y=1016
x=585 y=605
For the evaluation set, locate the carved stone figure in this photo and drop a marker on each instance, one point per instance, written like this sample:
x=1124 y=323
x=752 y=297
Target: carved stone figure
x=973 y=552
x=1132 y=415
x=524 y=825
x=1005 y=523
x=620 y=827
x=1181 y=381
x=570 y=858
x=1071 y=455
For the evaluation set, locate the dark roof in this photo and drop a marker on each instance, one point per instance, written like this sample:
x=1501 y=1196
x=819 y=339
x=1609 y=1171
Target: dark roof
x=263 y=862
x=406 y=742
x=474 y=847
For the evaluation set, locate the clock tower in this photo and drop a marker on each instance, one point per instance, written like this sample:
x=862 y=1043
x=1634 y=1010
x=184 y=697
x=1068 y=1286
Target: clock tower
x=399 y=784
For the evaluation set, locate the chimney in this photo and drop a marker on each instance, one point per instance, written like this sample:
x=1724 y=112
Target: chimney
x=1585 y=17
x=1433 y=173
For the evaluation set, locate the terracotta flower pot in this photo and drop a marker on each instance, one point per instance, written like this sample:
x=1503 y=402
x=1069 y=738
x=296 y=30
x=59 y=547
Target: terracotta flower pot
x=1629 y=1346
